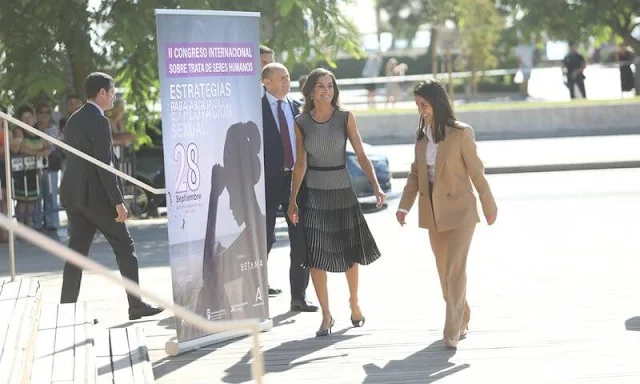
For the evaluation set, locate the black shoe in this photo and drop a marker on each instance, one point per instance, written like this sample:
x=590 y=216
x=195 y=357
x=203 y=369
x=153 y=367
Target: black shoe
x=357 y=323
x=302 y=306
x=326 y=331
x=143 y=310
x=275 y=291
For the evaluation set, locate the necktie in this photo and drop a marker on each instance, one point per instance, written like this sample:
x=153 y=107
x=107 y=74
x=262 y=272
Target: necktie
x=284 y=134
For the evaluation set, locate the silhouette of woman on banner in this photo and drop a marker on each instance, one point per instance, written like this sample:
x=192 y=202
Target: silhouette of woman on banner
x=232 y=276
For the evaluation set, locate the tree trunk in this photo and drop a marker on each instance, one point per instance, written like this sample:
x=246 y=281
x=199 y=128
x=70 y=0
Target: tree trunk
x=267 y=21
x=79 y=61
x=433 y=45
x=378 y=26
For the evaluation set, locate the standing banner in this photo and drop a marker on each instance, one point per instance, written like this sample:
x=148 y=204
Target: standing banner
x=213 y=158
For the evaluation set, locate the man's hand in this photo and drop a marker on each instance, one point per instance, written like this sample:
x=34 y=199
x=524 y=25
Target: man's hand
x=401 y=217
x=122 y=213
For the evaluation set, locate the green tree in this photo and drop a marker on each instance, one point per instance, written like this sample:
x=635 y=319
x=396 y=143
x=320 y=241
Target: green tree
x=579 y=19
x=46 y=48
x=479 y=24
x=50 y=47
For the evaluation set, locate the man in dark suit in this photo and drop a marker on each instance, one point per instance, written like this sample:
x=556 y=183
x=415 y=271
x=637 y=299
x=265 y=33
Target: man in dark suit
x=278 y=112
x=91 y=195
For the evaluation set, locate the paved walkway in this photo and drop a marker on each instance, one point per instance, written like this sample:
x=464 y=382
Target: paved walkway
x=553 y=287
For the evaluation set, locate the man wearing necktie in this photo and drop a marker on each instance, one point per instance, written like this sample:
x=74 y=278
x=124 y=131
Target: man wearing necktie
x=278 y=112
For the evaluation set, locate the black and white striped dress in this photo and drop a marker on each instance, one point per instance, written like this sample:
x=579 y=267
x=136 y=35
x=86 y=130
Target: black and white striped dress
x=336 y=232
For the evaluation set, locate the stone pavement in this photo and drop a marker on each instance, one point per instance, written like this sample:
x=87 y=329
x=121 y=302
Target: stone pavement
x=553 y=287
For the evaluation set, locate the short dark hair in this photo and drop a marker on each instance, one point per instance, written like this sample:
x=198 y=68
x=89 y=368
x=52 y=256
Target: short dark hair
x=24 y=108
x=95 y=82
x=41 y=105
x=73 y=96
x=264 y=49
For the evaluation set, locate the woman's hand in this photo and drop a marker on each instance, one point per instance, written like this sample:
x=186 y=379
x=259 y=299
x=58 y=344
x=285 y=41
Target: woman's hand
x=380 y=198
x=401 y=217
x=491 y=217
x=292 y=212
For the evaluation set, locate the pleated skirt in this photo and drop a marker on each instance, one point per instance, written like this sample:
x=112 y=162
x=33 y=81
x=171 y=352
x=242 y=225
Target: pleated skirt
x=336 y=231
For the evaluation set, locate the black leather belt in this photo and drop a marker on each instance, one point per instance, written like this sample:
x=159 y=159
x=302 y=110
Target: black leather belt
x=314 y=168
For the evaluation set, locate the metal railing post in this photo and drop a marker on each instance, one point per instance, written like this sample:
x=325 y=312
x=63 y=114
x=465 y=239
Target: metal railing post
x=9 y=198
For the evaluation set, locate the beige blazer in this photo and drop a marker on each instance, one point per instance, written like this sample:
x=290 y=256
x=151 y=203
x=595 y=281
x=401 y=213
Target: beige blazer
x=457 y=166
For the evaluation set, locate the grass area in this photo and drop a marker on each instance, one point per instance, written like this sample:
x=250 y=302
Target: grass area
x=490 y=106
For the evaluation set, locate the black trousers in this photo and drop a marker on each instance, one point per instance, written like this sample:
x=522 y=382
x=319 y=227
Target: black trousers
x=298 y=276
x=580 y=83
x=83 y=224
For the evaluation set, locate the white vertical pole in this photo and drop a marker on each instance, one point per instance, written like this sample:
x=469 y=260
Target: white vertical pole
x=9 y=197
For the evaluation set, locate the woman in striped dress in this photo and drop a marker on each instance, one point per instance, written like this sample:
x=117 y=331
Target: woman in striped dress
x=336 y=232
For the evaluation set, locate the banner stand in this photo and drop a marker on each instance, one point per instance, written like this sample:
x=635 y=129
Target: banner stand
x=175 y=348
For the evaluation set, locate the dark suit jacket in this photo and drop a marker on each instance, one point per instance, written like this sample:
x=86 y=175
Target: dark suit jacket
x=273 y=152
x=84 y=184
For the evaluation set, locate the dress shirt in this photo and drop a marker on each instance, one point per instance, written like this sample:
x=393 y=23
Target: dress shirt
x=288 y=114
x=432 y=155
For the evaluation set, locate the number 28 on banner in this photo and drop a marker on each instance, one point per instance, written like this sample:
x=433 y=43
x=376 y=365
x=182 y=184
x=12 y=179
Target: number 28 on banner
x=188 y=171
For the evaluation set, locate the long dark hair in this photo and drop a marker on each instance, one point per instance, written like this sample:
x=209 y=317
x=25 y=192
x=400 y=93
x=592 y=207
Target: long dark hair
x=310 y=85
x=436 y=94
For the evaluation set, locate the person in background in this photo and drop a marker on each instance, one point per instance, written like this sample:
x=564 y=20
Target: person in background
x=14 y=146
x=301 y=81
x=624 y=54
x=446 y=165
x=372 y=69
x=119 y=133
x=267 y=56
x=573 y=68
x=48 y=219
x=73 y=104
x=27 y=188
x=61 y=124
x=525 y=52
x=393 y=88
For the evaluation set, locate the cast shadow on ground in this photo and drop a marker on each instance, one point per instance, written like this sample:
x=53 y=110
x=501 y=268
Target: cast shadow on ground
x=633 y=324
x=282 y=357
x=172 y=363
x=425 y=366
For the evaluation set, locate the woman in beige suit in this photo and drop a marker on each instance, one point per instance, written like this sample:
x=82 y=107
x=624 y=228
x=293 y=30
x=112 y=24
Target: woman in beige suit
x=446 y=164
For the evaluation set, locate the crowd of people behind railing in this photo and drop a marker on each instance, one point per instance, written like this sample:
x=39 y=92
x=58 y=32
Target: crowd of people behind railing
x=36 y=164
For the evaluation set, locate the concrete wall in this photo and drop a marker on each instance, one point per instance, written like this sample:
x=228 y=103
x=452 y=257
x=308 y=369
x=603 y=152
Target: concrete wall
x=523 y=123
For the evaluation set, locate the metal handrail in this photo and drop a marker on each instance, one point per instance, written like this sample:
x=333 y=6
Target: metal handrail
x=9 y=202
x=69 y=255
x=445 y=75
x=37 y=132
x=82 y=155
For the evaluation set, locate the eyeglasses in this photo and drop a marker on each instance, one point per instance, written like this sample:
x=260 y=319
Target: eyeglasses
x=47 y=112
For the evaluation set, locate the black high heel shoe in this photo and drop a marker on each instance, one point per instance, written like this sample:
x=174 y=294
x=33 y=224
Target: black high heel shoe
x=326 y=331
x=358 y=323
